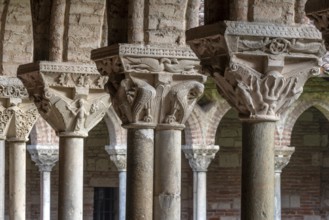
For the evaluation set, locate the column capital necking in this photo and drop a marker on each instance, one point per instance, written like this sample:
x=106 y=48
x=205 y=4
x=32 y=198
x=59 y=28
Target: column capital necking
x=259 y=68
x=200 y=156
x=151 y=86
x=69 y=96
x=18 y=114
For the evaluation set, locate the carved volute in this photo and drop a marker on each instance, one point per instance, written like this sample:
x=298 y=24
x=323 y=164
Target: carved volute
x=17 y=113
x=259 y=68
x=151 y=86
x=70 y=97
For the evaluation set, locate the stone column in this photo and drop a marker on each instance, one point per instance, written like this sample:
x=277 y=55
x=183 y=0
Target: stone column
x=118 y=155
x=152 y=87
x=2 y=177
x=167 y=176
x=199 y=157
x=260 y=69
x=71 y=99
x=45 y=157
x=282 y=158
x=18 y=116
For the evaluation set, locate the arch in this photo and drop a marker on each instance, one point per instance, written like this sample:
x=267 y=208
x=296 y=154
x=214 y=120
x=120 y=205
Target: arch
x=42 y=133
x=321 y=102
x=117 y=134
x=201 y=126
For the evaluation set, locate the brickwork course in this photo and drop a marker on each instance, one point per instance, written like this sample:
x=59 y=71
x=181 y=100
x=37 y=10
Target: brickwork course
x=25 y=36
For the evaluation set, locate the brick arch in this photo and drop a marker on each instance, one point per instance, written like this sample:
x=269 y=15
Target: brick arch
x=117 y=134
x=42 y=133
x=202 y=124
x=304 y=103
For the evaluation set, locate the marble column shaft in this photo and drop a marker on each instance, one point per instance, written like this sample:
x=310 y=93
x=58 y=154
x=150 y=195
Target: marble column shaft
x=167 y=176
x=17 y=180
x=2 y=177
x=70 y=196
x=257 y=193
x=45 y=184
x=140 y=167
x=122 y=194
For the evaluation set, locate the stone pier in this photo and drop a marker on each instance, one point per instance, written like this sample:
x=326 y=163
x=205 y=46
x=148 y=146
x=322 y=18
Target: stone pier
x=152 y=87
x=260 y=68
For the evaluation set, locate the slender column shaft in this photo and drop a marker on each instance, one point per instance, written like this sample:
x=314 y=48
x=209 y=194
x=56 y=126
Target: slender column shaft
x=17 y=180
x=167 y=192
x=201 y=195
x=2 y=178
x=257 y=171
x=277 y=194
x=140 y=159
x=70 y=196
x=122 y=194
x=195 y=195
x=46 y=194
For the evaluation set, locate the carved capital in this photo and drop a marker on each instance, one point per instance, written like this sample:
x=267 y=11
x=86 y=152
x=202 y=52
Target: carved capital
x=151 y=86
x=282 y=157
x=17 y=113
x=70 y=97
x=118 y=155
x=267 y=66
x=44 y=156
x=200 y=156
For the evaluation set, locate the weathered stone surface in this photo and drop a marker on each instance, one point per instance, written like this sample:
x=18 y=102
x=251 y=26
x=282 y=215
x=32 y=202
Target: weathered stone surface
x=200 y=156
x=151 y=85
x=69 y=96
x=264 y=87
x=44 y=156
x=17 y=113
x=282 y=157
x=118 y=155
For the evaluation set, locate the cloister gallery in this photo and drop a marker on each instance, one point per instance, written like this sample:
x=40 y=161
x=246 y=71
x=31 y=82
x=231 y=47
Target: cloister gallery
x=164 y=109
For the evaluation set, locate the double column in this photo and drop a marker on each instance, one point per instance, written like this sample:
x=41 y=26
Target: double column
x=199 y=157
x=260 y=70
x=18 y=116
x=153 y=89
x=71 y=99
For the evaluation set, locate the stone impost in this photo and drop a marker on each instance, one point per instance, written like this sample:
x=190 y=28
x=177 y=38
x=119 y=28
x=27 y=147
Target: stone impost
x=282 y=158
x=71 y=98
x=118 y=155
x=153 y=87
x=45 y=157
x=199 y=157
x=260 y=68
x=18 y=116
